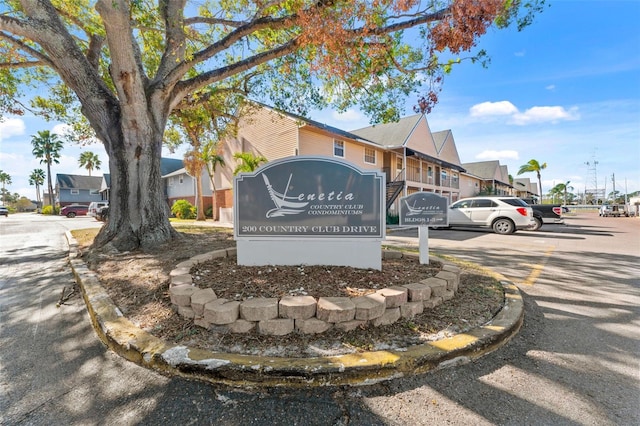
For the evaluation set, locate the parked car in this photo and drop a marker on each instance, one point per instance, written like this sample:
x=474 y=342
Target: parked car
x=545 y=213
x=102 y=213
x=505 y=215
x=615 y=210
x=95 y=206
x=4 y=211
x=74 y=210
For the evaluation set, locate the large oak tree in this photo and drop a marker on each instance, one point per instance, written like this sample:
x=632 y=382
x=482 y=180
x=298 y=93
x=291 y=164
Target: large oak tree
x=127 y=65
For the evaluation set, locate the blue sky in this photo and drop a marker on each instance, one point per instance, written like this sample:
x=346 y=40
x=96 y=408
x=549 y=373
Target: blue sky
x=564 y=91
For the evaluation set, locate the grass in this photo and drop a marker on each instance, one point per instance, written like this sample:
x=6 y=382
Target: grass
x=85 y=237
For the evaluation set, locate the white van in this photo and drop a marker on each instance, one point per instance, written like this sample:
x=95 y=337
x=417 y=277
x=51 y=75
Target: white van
x=95 y=205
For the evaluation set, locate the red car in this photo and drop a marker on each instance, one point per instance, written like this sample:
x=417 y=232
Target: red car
x=74 y=210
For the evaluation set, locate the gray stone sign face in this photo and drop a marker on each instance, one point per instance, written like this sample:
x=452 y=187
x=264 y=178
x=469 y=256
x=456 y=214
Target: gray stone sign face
x=309 y=197
x=424 y=208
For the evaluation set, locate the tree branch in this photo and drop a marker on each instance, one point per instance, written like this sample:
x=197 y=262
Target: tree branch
x=171 y=12
x=213 y=76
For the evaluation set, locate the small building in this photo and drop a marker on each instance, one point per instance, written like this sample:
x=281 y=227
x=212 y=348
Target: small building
x=180 y=185
x=486 y=178
x=77 y=189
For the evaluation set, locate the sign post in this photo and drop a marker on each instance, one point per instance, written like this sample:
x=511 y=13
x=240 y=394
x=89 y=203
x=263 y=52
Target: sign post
x=424 y=209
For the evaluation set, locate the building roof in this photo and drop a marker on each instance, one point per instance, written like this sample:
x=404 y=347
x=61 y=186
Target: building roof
x=390 y=134
x=440 y=138
x=178 y=172
x=64 y=181
x=483 y=169
x=170 y=165
x=312 y=123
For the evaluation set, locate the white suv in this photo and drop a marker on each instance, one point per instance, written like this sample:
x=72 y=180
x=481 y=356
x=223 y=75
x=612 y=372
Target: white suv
x=504 y=215
x=95 y=206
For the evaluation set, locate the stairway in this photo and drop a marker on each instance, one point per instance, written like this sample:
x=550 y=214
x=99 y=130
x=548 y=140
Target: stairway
x=394 y=188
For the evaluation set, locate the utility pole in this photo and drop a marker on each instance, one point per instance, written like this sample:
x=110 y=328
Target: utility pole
x=592 y=177
x=613 y=181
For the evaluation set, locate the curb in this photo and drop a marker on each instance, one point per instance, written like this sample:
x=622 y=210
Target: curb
x=136 y=345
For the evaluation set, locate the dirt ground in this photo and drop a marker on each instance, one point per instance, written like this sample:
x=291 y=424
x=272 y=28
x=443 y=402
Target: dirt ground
x=138 y=283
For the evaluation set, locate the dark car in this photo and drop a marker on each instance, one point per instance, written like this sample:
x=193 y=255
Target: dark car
x=102 y=213
x=4 y=211
x=74 y=210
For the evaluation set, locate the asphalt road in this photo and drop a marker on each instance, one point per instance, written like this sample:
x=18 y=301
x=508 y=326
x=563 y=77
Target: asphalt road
x=575 y=361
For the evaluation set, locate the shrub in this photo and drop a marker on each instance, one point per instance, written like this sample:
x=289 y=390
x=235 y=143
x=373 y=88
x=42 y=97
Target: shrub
x=182 y=209
x=393 y=219
x=50 y=210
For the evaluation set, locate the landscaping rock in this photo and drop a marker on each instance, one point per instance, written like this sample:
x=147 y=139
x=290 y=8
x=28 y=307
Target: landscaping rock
x=259 y=309
x=297 y=307
x=276 y=327
x=335 y=309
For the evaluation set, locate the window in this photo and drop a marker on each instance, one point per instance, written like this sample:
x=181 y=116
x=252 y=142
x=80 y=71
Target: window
x=181 y=179
x=399 y=163
x=94 y=192
x=338 y=148
x=74 y=191
x=370 y=155
x=484 y=203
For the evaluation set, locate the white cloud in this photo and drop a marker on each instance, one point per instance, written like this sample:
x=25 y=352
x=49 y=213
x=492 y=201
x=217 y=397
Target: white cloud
x=545 y=114
x=61 y=129
x=536 y=114
x=551 y=87
x=498 y=155
x=347 y=116
x=486 y=109
x=11 y=127
x=521 y=53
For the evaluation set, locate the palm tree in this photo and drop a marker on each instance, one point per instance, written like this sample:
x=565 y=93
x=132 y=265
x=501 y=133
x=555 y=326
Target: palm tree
x=37 y=178
x=212 y=158
x=250 y=162
x=562 y=189
x=534 y=166
x=89 y=161
x=46 y=148
x=5 y=178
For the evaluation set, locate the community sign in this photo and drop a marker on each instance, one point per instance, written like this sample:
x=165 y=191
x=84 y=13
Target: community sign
x=424 y=209
x=307 y=196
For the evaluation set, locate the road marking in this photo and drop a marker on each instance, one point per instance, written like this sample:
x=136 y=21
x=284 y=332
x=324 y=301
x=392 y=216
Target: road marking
x=536 y=269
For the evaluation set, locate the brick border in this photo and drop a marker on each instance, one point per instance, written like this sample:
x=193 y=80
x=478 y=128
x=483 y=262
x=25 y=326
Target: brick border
x=306 y=314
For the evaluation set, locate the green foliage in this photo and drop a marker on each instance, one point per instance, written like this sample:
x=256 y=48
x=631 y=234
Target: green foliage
x=46 y=147
x=392 y=218
x=37 y=177
x=248 y=162
x=89 y=161
x=182 y=209
x=50 y=210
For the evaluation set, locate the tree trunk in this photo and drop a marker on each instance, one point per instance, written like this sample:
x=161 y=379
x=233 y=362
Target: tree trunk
x=50 y=188
x=214 y=202
x=199 y=198
x=138 y=211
